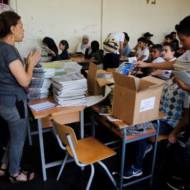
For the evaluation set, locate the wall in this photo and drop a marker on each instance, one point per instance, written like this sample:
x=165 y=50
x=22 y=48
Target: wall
x=70 y=19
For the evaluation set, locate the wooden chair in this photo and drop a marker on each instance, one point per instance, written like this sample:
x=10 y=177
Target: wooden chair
x=87 y=151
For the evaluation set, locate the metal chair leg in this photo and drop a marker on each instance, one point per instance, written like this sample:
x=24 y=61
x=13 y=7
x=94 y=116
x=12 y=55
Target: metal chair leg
x=108 y=173
x=62 y=166
x=91 y=177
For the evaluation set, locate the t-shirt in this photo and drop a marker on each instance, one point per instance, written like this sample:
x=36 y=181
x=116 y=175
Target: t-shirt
x=145 y=53
x=10 y=90
x=185 y=57
x=158 y=60
x=172 y=103
x=111 y=43
x=64 y=55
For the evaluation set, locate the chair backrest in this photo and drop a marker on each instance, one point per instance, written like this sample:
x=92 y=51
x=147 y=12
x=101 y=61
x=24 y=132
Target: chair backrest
x=63 y=131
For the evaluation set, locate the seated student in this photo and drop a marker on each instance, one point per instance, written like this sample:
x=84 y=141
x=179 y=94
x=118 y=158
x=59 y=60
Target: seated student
x=174 y=39
x=156 y=54
x=113 y=48
x=63 y=46
x=83 y=45
x=50 y=47
x=94 y=53
x=172 y=106
x=169 y=50
x=167 y=39
x=142 y=50
x=148 y=37
x=126 y=49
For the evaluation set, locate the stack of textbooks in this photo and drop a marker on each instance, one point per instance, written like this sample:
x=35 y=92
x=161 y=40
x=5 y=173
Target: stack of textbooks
x=39 y=86
x=70 y=89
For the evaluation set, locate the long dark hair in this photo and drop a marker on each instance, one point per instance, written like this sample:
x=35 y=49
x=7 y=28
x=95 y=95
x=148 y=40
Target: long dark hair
x=8 y=19
x=51 y=44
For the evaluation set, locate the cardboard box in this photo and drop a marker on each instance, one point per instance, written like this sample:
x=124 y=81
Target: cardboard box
x=96 y=85
x=136 y=100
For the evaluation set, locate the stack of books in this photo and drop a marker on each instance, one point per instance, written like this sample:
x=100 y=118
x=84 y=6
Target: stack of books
x=70 y=89
x=39 y=86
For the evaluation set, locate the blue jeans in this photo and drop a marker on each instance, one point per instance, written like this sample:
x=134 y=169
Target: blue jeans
x=140 y=146
x=17 y=119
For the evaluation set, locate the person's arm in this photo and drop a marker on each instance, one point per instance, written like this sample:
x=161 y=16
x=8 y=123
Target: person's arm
x=162 y=66
x=23 y=76
x=182 y=85
x=121 y=48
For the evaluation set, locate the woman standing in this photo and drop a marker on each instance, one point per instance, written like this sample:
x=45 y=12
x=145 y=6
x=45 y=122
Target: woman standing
x=14 y=78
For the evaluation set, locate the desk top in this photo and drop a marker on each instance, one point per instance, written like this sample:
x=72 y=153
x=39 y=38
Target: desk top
x=80 y=59
x=119 y=123
x=48 y=112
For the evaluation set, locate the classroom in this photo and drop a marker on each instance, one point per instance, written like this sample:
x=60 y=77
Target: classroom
x=94 y=94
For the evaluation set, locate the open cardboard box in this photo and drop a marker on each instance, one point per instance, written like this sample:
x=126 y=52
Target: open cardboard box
x=96 y=85
x=136 y=100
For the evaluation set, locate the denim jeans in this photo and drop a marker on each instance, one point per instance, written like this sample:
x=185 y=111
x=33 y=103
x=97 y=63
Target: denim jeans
x=17 y=118
x=140 y=146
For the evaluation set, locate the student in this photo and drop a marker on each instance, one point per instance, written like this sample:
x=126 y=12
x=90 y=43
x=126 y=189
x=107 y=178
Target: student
x=94 y=53
x=156 y=54
x=113 y=48
x=174 y=39
x=50 y=47
x=14 y=79
x=171 y=105
x=168 y=39
x=126 y=49
x=63 y=46
x=83 y=45
x=142 y=50
x=183 y=32
x=168 y=54
x=148 y=37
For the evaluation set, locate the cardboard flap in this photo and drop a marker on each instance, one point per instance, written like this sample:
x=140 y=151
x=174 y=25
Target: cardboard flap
x=153 y=80
x=126 y=81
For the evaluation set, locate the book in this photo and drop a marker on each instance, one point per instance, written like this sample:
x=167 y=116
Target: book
x=42 y=106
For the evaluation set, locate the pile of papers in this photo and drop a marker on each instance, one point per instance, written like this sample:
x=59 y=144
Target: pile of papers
x=70 y=89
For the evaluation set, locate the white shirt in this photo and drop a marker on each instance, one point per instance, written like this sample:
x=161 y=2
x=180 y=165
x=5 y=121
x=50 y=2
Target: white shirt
x=82 y=47
x=158 y=60
x=185 y=57
x=118 y=37
x=145 y=53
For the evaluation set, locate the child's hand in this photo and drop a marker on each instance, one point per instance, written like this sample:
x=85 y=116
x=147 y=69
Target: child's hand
x=142 y=64
x=34 y=57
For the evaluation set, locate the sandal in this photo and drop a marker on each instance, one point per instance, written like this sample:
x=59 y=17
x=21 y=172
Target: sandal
x=22 y=177
x=3 y=172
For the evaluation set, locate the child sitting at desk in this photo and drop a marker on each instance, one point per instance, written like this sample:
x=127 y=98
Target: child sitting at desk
x=94 y=53
x=168 y=53
x=172 y=106
x=63 y=46
x=50 y=47
x=142 y=50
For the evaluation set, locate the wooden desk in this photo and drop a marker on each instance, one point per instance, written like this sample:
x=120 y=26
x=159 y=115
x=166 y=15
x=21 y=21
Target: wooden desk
x=69 y=118
x=119 y=128
x=80 y=59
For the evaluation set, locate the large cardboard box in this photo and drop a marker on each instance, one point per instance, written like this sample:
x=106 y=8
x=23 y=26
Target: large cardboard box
x=136 y=100
x=96 y=85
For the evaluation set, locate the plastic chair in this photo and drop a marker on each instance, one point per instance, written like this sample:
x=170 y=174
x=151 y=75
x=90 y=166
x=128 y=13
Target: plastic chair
x=85 y=152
